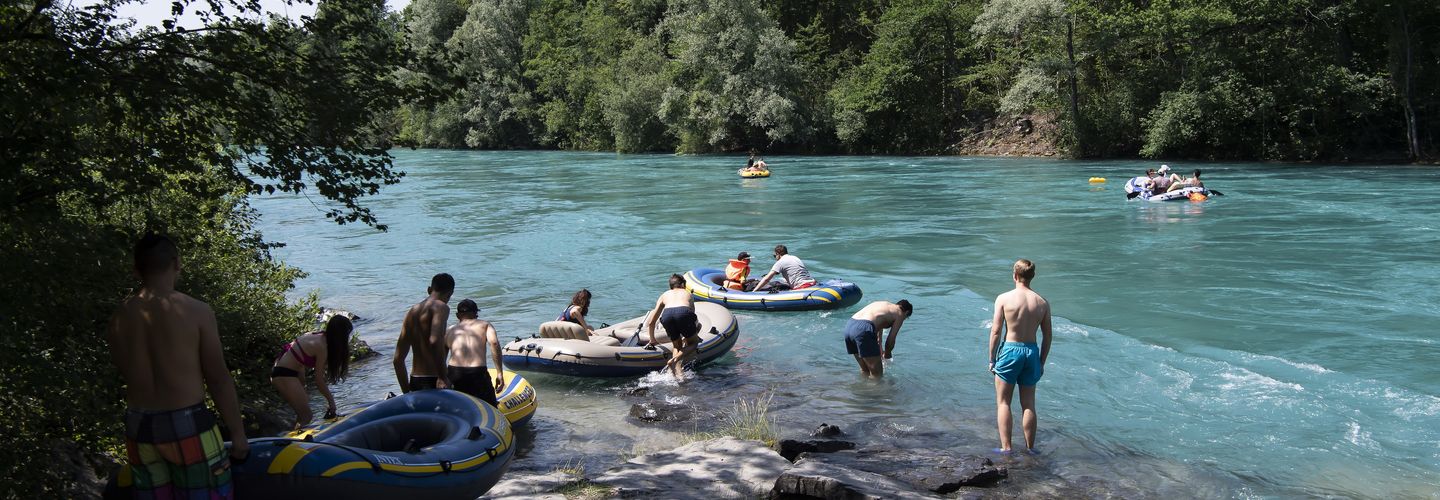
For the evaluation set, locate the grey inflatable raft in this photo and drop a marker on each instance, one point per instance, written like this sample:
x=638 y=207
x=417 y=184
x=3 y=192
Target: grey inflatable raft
x=564 y=348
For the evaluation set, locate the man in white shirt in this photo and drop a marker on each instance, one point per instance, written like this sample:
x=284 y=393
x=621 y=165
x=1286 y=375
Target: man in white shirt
x=791 y=268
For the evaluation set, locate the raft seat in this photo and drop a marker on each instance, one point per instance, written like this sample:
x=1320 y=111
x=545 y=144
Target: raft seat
x=562 y=330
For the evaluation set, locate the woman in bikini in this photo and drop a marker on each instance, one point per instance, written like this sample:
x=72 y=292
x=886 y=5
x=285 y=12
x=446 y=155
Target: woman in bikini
x=328 y=352
x=576 y=311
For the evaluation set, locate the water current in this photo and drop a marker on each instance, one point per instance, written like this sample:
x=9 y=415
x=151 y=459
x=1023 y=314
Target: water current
x=1276 y=341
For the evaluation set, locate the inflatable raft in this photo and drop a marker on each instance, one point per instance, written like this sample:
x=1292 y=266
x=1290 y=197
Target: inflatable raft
x=424 y=444
x=1134 y=186
x=704 y=284
x=617 y=351
x=754 y=173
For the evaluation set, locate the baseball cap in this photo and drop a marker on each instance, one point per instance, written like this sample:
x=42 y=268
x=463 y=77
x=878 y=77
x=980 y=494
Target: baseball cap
x=467 y=305
x=1164 y=168
x=743 y=256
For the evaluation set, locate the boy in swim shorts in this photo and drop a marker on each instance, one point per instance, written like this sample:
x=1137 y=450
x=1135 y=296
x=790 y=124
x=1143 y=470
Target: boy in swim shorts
x=1019 y=361
x=167 y=348
x=675 y=310
x=862 y=333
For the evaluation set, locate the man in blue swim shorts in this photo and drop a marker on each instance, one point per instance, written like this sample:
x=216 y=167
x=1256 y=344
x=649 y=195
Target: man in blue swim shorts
x=1019 y=361
x=862 y=334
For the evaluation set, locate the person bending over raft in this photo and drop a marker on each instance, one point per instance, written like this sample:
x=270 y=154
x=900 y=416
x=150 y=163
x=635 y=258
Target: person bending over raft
x=737 y=271
x=675 y=309
x=791 y=268
x=424 y=332
x=862 y=333
x=466 y=365
x=328 y=352
x=577 y=310
x=167 y=349
x=1021 y=311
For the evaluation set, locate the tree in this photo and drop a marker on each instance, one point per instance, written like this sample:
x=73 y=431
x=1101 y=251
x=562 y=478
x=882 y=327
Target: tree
x=488 y=56
x=111 y=131
x=733 y=83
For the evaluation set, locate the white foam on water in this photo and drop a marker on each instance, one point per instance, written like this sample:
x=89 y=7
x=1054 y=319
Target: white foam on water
x=1409 y=406
x=901 y=427
x=677 y=400
x=659 y=378
x=1361 y=438
x=1310 y=367
x=1073 y=328
x=1243 y=380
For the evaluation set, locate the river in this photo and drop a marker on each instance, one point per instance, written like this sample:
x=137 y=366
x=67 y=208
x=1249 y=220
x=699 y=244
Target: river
x=1276 y=341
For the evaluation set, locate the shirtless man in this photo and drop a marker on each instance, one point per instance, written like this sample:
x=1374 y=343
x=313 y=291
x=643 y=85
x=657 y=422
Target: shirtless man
x=466 y=366
x=675 y=309
x=1163 y=179
x=167 y=348
x=424 y=331
x=1018 y=361
x=862 y=333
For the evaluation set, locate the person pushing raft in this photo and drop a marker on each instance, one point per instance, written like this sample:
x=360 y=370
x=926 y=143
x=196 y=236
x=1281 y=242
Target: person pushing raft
x=675 y=310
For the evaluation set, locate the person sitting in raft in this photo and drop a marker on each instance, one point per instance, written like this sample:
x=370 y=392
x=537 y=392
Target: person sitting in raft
x=1149 y=183
x=466 y=342
x=737 y=271
x=791 y=268
x=576 y=311
x=1192 y=181
x=328 y=352
x=1163 y=180
x=675 y=309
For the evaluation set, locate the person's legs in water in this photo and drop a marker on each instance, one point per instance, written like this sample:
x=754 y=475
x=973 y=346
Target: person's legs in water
x=863 y=342
x=1028 y=420
x=1003 y=392
x=293 y=392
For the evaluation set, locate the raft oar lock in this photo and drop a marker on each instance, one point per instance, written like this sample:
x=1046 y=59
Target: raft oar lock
x=445 y=466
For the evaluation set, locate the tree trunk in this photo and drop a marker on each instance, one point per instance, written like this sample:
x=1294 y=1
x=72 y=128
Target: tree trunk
x=1407 y=87
x=1074 y=87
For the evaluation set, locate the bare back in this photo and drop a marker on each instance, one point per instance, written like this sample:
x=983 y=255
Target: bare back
x=467 y=340
x=424 y=326
x=155 y=342
x=1024 y=312
x=677 y=297
x=882 y=314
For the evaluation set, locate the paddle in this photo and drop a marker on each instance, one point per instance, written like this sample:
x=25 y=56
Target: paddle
x=1216 y=193
x=1131 y=196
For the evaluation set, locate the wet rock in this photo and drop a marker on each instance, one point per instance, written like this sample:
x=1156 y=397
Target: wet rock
x=531 y=485
x=792 y=448
x=656 y=411
x=359 y=350
x=724 y=467
x=925 y=471
x=811 y=478
x=827 y=431
x=327 y=313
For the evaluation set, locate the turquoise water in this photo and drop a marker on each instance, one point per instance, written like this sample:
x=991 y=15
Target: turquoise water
x=1276 y=341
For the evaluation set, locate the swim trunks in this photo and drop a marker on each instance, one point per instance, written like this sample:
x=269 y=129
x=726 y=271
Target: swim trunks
x=473 y=380
x=1019 y=363
x=418 y=383
x=679 y=322
x=177 y=454
x=861 y=338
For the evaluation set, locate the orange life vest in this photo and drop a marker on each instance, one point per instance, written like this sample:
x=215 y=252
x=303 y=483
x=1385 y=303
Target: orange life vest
x=736 y=273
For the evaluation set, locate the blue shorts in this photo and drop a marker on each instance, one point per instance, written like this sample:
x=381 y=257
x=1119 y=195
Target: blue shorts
x=1019 y=363
x=861 y=338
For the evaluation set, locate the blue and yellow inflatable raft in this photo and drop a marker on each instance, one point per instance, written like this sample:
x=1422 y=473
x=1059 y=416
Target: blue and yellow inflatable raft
x=704 y=284
x=425 y=444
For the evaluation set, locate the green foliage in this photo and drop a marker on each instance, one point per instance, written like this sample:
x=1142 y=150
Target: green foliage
x=112 y=131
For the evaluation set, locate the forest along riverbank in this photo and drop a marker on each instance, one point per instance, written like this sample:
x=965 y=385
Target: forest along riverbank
x=1168 y=382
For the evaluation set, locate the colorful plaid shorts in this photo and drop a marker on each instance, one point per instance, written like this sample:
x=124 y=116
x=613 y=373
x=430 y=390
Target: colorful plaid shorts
x=176 y=454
